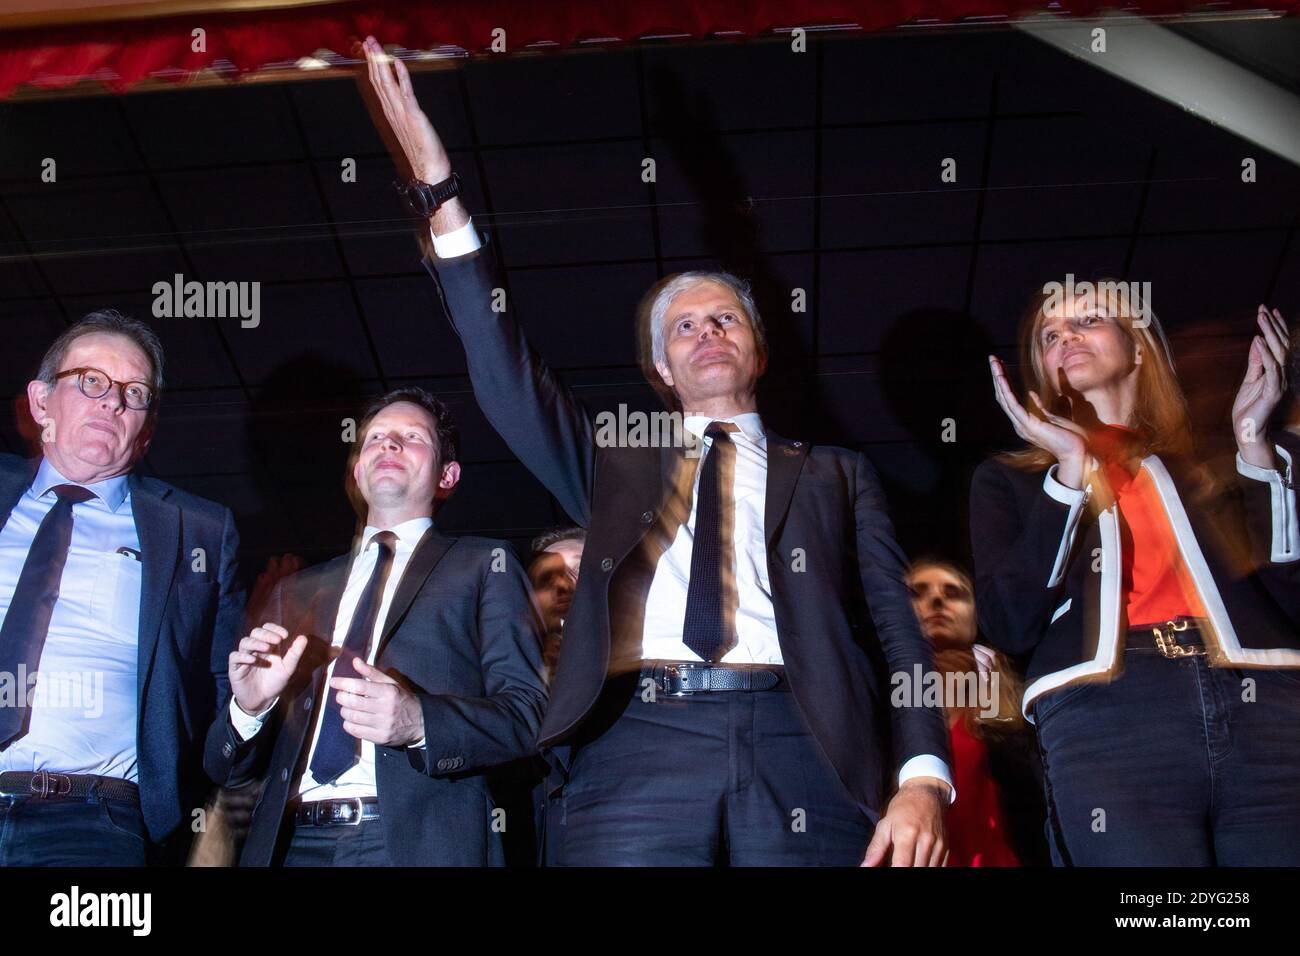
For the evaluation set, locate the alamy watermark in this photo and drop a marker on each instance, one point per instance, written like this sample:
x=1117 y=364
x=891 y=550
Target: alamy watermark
x=1114 y=298
x=66 y=690
x=637 y=429
x=210 y=300
x=947 y=689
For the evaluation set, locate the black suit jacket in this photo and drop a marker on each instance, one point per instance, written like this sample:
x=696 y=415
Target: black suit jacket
x=831 y=551
x=462 y=634
x=190 y=615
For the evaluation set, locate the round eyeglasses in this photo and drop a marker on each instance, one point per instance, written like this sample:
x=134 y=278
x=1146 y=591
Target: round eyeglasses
x=95 y=384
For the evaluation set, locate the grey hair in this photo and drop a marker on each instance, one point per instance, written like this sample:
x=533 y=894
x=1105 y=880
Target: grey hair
x=110 y=322
x=683 y=281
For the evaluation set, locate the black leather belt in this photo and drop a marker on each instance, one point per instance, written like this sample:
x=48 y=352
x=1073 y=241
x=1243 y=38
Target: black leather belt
x=44 y=785
x=1181 y=637
x=680 y=678
x=343 y=812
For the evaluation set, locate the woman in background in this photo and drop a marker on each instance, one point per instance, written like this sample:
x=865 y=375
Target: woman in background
x=998 y=817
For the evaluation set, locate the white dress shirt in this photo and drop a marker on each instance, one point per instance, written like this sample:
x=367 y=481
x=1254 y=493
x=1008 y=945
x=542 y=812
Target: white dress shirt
x=359 y=780
x=83 y=715
x=755 y=617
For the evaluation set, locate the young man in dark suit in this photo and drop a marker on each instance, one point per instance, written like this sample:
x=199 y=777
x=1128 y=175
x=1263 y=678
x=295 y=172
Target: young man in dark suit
x=387 y=681
x=715 y=699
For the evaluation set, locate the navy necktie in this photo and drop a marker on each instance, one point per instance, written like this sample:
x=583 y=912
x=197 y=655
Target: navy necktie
x=28 y=620
x=704 y=629
x=336 y=749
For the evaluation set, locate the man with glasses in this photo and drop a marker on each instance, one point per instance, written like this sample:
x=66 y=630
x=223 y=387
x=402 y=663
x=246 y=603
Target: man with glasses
x=118 y=610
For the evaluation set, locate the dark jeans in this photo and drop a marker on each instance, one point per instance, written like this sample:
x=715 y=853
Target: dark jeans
x=89 y=832
x=1168 y=766
x=360 y=845
x=716 y=778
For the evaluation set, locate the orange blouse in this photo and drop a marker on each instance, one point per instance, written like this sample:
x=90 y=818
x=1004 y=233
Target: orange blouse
x=1156 y=583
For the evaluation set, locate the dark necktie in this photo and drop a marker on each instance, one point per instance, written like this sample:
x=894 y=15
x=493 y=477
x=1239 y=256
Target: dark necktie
x=28 y=621
x=704 y=629
x=336 y=749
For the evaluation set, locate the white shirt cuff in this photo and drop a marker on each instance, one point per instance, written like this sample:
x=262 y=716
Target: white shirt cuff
x=927 y=765
x=421 y=743
x=247 y=725
x=458 y=242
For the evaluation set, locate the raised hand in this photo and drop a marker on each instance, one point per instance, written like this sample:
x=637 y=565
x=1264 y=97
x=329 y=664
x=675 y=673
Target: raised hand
x=1262 y=387
x=258 y=671
x=414 y=133
x=1064 y=439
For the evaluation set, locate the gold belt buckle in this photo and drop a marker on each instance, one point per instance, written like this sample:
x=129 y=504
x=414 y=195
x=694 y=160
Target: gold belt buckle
x=1168 y=646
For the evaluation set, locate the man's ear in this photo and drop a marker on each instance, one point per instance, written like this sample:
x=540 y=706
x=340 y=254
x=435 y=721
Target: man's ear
x=664 y=373
x=450 y=475
x=38 y=394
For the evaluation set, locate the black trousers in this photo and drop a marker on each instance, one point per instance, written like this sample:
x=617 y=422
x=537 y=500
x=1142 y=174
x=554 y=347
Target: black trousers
x=360 y=845
x=709 y=779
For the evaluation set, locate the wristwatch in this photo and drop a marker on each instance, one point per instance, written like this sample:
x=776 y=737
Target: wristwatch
x=426 y=199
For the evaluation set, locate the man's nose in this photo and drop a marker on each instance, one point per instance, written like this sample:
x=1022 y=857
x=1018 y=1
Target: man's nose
x=112 y=399
x=710 y=327
x=391 y=442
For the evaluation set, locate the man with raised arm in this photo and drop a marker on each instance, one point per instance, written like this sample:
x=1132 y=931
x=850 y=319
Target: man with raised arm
x=715 y=699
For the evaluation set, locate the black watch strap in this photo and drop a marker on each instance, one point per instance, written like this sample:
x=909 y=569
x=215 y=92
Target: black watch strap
x=426 y=199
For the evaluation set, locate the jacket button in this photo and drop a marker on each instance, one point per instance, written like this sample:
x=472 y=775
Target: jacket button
x=606 y=564
x=227 y=750
x=457 y=762
x=442 y=764
x=284 y=775
x=647 y=517
x=306 y=703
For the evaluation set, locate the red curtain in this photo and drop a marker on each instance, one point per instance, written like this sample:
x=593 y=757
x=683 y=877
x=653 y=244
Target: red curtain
x=122 y=53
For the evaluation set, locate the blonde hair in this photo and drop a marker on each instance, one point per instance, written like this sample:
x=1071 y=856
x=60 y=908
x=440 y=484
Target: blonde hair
x=1160 y=410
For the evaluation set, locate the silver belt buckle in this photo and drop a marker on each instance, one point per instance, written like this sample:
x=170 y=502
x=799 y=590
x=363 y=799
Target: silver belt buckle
x=358 y=808
x=673 y=672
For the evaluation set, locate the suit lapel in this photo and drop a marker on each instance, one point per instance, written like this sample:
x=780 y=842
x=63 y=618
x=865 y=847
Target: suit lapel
x=785 y=459
x=158 y=523
x=425 y=558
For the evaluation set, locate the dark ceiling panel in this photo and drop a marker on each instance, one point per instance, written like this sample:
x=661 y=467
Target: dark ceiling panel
x=570 y=203
x=552 y=98
x=707 y=182
x=884 y=185
x=252 y=222
x=214 y=127
x=582 y=315
x=410 y=329
x=729 y=86
x=1094 y=187
x=312 y=323
x=84 y=137
x=908 y=78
